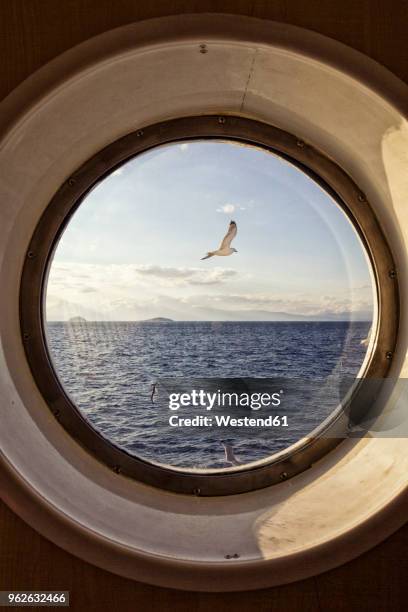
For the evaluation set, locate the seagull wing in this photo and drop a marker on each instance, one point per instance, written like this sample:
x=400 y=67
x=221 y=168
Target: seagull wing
x=229 y=236
x=229 y=454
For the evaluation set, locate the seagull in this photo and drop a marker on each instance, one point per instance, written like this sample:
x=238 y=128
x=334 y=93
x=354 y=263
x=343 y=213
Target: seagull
x=229 y=455
x=225 y=247
x=366 y=341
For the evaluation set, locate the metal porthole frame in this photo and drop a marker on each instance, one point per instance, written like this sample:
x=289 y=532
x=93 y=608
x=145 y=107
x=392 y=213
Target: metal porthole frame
x=327 y=173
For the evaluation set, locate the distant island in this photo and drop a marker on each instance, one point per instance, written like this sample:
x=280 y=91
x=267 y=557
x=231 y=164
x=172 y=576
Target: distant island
x=153 y=320
x=158 y=320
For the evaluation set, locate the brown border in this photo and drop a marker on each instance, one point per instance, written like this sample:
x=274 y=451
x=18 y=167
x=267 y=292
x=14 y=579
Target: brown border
x=55 y=218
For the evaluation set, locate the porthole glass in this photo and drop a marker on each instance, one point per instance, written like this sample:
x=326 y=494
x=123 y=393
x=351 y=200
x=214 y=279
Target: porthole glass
x=202 y=268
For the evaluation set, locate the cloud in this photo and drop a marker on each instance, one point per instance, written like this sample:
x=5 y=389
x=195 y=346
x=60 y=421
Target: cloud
x=90 y=278
x=184 y=146
x=233 y=307
x=193 y=276
x=324 y=307
x=136 y=291
x=212 y=277
x=366 y=287
x=229 y=208
x=163 y=272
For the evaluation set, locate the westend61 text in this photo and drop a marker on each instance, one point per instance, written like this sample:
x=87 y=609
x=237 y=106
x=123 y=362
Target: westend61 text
x=228 y=421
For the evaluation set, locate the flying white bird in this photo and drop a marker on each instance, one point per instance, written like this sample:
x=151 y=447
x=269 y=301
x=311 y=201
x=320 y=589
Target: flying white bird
x=230 y=457
x=225 y=247
x=366 y=341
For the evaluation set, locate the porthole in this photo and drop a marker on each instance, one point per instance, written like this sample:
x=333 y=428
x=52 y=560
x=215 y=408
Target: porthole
x=117 y=327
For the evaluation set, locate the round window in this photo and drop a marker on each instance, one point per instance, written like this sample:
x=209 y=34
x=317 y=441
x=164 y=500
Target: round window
x=208 y=305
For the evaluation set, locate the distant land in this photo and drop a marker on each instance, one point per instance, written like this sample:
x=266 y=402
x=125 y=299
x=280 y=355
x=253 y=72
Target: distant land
x=241 y=316
x=153 y=320
x=157 y=320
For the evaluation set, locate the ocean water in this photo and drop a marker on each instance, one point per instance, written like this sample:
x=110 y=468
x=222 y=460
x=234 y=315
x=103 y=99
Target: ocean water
x=107 y=369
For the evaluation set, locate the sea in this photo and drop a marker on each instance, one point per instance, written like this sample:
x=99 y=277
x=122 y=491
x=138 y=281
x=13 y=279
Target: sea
x=113 y=372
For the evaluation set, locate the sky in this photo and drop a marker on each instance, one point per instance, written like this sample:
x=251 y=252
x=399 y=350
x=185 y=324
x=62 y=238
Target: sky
x=133 y=248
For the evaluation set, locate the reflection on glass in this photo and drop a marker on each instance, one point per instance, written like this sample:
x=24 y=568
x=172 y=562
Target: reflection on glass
x=134 y=311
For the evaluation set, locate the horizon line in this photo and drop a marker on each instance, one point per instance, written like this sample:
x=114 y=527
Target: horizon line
x=305 y=320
